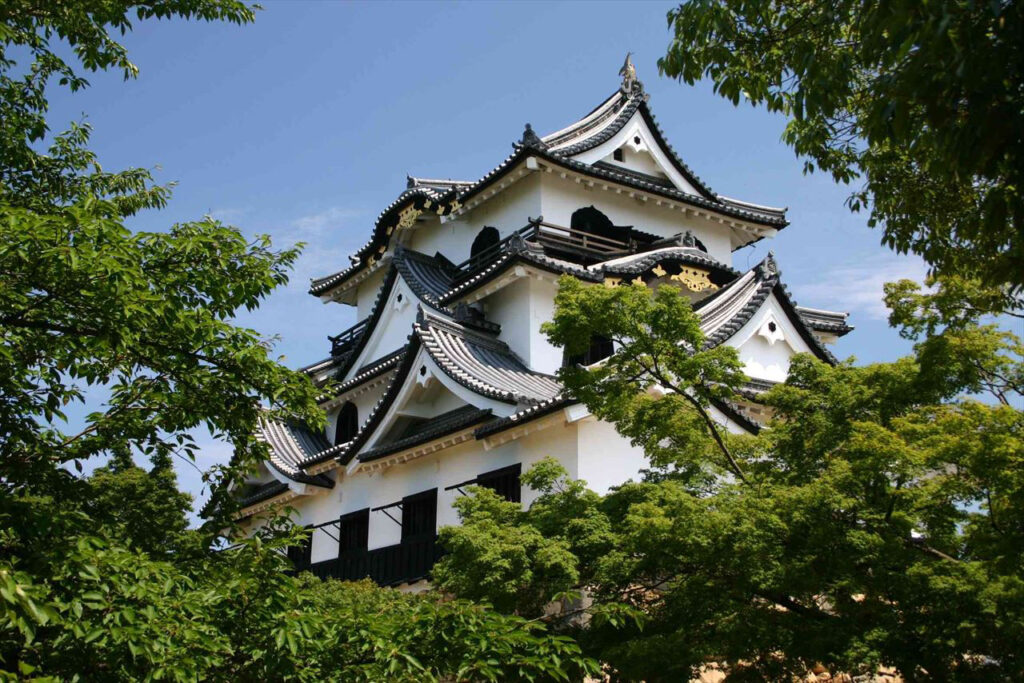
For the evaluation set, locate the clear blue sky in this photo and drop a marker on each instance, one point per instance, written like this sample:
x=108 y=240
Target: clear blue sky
x=304 y=126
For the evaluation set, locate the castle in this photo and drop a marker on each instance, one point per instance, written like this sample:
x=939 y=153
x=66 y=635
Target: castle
x=447 y=380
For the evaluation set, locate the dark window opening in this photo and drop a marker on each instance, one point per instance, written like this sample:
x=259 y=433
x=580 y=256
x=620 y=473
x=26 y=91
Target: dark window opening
x=301 y=555
x=484 y=245
x=600 y=348
x=504 y=482
x=772 y=327
x=419 y=516
x=348 y=423
x=353 y=532
x=619 y=155
x=589 y=219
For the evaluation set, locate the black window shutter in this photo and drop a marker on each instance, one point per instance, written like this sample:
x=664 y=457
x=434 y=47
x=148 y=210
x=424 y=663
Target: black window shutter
x=504 y=482
x=419 y=515
x=353 y=532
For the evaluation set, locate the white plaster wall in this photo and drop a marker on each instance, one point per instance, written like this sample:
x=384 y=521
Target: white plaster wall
x=606 y=458
x=366 y=294
x=442 y=469
x=393 y=328
x=507 y=211
x=637 y=161
x=761 y=358
x=562 y=196
x=544 y=356
x=510 y=308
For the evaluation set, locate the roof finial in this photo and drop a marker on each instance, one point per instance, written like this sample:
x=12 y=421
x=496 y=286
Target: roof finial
x=530 y=138
x=629 y=79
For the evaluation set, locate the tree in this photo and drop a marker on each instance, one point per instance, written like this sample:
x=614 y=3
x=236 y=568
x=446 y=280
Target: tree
x=875 y=522
x=99 y=575
x=920 y=102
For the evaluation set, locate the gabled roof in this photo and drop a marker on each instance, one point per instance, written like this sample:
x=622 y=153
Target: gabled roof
x=730 y=308
x=290 y=445
x=610 y=117
x=442 y=197
x=482 y=363
x=434 y=428
x=430 y=277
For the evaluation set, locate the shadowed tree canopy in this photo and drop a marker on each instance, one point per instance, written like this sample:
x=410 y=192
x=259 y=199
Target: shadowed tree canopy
x=919 y=104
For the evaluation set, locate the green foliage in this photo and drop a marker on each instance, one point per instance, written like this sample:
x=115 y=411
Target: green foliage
x=876 y=521
x=920 y=101
x=100 y=577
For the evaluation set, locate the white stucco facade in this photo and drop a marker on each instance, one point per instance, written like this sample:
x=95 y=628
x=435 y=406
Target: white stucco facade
x=448 y=375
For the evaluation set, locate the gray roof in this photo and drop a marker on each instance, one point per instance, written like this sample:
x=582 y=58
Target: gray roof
x=482 y=363
x=430 y=277
x=825 y=321
x=723 y=313
x=290 y=445
x=434 y=428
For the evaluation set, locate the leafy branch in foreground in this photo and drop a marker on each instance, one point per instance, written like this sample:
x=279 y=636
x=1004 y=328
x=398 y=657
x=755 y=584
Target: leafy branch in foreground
x=877 y=521
x=921 y=102
x=99 y=575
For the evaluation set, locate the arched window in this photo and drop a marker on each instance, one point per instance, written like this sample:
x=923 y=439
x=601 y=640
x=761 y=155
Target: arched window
x=600 y=348
x=348 y=423
x=589 y=219
x=485 y=240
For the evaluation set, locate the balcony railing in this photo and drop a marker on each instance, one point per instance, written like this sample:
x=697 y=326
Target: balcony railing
x=342 y=343
x=388 y=566
x=557 y=240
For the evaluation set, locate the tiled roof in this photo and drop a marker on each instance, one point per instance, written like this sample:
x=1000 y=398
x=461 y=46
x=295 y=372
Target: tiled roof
x=434 y=428
x=730 y=308
x=263 y=492
x=421 y=197
x=510 y=258
x=430 y=277
x=525 y=415
x=290 y=445
x=635 y=264
x=439 y=184
x=825 y=321
x=482 y=363
x=365 y=374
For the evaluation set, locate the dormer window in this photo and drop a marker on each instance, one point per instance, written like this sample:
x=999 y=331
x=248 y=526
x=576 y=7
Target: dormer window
x=348 y=423
x=619 y=155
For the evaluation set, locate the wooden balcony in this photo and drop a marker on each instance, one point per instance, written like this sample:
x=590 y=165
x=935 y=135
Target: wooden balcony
x=554 y=240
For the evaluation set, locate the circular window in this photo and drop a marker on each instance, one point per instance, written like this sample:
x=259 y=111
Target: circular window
x=636 y=139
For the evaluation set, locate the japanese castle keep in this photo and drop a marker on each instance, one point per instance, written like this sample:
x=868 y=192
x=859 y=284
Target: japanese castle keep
x=447 y=380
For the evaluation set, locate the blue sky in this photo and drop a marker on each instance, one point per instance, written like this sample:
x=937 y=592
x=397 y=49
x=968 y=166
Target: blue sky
x=304 y=126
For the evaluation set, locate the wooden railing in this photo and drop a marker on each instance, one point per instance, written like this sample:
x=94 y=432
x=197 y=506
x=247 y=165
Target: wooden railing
x=340 y=342
x=387 y=566
x=550 y=238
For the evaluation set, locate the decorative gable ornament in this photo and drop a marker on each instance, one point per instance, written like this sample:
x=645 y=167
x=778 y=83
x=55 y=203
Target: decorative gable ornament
x=771 y=330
